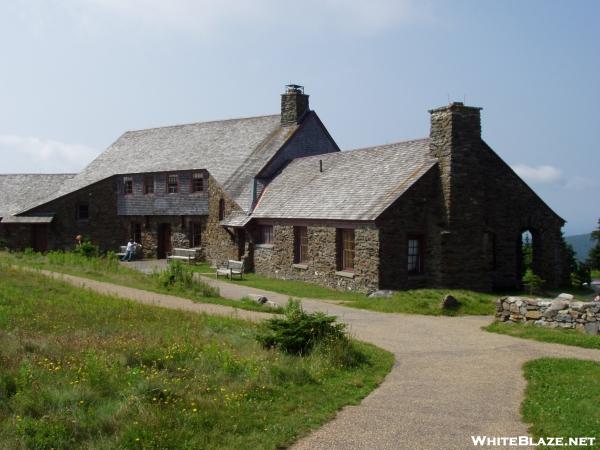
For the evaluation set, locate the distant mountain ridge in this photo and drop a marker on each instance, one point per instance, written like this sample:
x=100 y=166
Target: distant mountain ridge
x=582 y=244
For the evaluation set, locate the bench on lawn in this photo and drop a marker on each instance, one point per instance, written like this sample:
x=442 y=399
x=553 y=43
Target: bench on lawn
x=123 y=250
x=231 y=268
x=191 y=255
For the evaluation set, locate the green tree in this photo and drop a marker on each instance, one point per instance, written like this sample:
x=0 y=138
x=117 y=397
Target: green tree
x=594 y=255
x=527 y=252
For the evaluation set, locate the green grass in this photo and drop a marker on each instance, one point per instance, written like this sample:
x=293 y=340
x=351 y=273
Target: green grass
x=563 y=398
x=418 y=301
x=553 y=335
x=108 y=269
x=595 y=274
x=83 y=370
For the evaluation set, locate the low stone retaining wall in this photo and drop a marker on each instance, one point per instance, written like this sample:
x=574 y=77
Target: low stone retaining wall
x=557 y=313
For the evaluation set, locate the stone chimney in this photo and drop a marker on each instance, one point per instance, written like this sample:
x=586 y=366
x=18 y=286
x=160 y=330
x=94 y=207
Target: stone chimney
x=294 y=104
x=455 y=140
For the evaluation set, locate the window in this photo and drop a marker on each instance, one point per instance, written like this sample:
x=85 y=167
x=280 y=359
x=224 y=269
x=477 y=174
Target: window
x=136 y=232
x=83 y=211
x=346 y=250
x=196 y=234
x=300 y=245
x=415 y=255
x=197 y=182
x=172 y=184
x=265 y=234
x=221 y=209
x=148 y=184
x=128 y=185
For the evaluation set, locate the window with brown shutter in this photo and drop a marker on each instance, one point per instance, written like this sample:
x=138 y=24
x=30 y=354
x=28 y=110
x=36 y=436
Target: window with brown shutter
x=128 y=185
x=345 y=249
x=148 y=184
x=265 y=234
x=300 y=245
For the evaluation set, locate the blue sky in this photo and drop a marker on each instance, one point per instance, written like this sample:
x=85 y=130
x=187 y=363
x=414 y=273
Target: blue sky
x=75 y=74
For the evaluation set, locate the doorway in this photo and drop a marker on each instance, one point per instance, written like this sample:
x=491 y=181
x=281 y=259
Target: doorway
x=39 y=238
x=164 y=240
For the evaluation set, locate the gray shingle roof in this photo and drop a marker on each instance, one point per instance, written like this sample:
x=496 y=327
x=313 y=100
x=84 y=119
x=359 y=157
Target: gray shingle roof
x=231 y=150
x=17 y=191
x=354 y=185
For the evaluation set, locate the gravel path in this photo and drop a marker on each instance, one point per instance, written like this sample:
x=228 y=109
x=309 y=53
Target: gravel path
x=451 y=380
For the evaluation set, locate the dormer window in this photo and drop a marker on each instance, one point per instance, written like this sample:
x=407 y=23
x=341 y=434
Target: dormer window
x=197 y=182
x=128 y=185
x=172 y=184
x=148 y=184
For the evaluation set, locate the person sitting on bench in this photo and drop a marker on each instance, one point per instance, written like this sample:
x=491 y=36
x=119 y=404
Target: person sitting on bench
x=129 y=251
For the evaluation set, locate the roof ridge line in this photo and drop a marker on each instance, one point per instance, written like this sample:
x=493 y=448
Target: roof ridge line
x=179 y=125
x=406 y=141
x=32 y=173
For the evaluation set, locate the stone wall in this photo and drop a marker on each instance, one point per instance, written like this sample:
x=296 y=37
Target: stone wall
x=557 y=313
x=219 y=243
x=417 y=213
x=277 y=260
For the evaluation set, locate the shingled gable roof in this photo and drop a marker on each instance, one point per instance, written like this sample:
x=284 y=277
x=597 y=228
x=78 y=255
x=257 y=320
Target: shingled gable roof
x=233 y=151
x=354 y=185
x=19 y=190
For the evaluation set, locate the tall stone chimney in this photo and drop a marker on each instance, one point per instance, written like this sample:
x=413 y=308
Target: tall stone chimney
x=455 y=140
x=294 y=104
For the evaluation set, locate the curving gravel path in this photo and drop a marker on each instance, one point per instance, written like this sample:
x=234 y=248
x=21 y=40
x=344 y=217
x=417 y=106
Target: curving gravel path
x=451 y=380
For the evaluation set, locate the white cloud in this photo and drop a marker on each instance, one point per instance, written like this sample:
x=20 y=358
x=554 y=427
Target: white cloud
x=212 y=16
x=538 y=174
x=30 y=154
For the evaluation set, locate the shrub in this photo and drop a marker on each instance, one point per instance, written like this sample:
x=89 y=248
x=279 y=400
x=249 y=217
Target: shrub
x=179 y=276
x=298 y=332
x=533 y=282
x=87 y=249
x=581 y=275
x=3 y=244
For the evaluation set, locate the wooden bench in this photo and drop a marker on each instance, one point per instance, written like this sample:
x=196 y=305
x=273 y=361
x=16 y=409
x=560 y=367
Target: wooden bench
x=183 y=254
x=231 y=268
x=137 y=250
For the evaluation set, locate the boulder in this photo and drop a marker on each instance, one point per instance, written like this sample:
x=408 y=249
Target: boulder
x=592 y=328
x=555 y=307
x=384 y=293
x=260 y=299
x=533 y=315
x=563 y=296
x=449 y=302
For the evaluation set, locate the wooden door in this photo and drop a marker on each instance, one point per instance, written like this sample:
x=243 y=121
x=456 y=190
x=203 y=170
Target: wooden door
x=164 y=240
x=39 y=237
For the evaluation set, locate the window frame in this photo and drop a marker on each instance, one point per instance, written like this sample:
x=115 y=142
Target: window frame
x=346 y=254
x=127 y=185
x=221 y=208
x=300 y=245
x=168 y=183
x=147 y=185
x=78 y=215
x=195 y=232
x=265 y=234
x=419 y=256
x=194 y=180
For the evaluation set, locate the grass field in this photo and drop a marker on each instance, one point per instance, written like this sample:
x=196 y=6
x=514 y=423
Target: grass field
x=109 y=269
x=554 y=335
x=82 y=370
x=563 y=398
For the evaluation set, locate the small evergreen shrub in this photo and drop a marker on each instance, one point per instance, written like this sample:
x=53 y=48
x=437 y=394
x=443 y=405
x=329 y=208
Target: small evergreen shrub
x=581 y=275
x=298 y=332
x=533 y=282
x=87 y=249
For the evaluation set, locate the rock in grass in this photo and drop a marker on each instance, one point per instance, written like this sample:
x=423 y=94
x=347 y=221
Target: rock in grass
x=260 y=299
x=449 y=302
x=384 y=293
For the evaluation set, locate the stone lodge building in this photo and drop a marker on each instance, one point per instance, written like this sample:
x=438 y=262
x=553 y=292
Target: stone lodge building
x=277 y=191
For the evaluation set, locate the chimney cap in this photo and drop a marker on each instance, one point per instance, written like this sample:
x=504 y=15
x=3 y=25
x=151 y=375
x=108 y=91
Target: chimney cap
x=294 y=89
